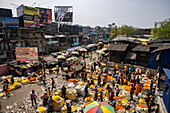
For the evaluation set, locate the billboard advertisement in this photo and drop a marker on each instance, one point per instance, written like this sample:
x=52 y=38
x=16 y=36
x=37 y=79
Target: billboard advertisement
x=26 y=53
x=45 y=15
x=5 y=12
x=68 y=17
x=9 y=22
x=63 y=13
x=30 y=16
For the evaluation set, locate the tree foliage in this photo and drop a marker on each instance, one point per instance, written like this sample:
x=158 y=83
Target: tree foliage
x=126 y=30
x=114 y=32
x=123 y=30
x=162 y=31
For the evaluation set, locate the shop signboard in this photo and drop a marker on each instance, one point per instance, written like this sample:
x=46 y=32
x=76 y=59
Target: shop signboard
x=26 y=53
x=9 y=22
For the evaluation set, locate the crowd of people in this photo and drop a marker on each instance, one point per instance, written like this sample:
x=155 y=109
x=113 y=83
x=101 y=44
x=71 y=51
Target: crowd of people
x=123 y=88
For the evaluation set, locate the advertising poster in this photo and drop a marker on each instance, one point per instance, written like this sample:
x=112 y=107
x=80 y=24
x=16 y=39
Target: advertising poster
x=26 y=53
x=45 y=15
x=68 y=17
x=63 y=13
x=31 y=17
x=9 y=22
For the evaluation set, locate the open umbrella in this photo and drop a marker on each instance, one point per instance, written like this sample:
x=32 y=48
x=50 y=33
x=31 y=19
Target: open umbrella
x=74 y=52
x=61 y=57
x=83 y=49
x=99 y=107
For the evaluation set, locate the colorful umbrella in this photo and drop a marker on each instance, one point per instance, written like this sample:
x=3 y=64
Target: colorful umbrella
x=99 y=107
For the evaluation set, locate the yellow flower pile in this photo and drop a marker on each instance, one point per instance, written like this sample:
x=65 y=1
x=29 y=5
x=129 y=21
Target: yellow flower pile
x=74 y=108
x=41 y=109
x=10 y=88
x=56 y=98
x=1 y=94
x=124 y=101
x=142 y=101
x=15 y=83
x=92 y=86
x=92 y=91
x=24 y=67
x=24 y=81
x=82 y=83
x=67 y=90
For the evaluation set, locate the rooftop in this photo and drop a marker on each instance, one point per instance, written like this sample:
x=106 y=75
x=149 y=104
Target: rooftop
x=141 y=48
x=117 y=47
x=161 y=48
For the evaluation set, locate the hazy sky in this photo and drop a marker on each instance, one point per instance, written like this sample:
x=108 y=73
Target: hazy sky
x=138 y=13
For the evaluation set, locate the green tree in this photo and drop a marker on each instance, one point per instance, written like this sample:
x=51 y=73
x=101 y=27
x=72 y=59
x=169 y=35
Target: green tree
x=113 y=33
x=126 y=30
x=163 y=31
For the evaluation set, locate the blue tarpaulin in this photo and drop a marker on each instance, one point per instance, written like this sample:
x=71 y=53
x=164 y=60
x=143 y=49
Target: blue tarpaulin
x=167 y=72
x=166 y=93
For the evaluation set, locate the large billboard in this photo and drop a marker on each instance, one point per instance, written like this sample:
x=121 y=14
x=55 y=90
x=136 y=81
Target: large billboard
x=45 y=15
x=9 y=22
x=63 y=13
x=5 y=12
x=26 y=53
x=30 y=16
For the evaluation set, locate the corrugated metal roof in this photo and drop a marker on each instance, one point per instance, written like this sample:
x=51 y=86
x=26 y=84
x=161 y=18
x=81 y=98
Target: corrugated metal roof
x=141 y=48
x=159 y=44
x=161 y=48
x=159 y=41
x=117 y=47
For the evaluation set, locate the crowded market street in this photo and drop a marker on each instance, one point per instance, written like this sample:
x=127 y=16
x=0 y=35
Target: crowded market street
x=82 y=86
